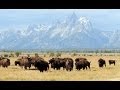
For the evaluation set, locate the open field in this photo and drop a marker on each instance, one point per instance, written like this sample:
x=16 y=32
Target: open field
x=112 y=73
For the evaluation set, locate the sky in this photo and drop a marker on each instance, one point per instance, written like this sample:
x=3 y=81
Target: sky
x=103 y=19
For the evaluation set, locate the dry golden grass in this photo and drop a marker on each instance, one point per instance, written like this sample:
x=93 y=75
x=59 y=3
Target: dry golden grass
x=16 y=73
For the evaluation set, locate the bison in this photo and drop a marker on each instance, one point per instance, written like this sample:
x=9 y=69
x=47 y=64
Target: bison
x=24 y=62
x=34 y=59
x=101 y=62
x=42 y=65
x=57 y=63
x=5 y=62
x=82 y=63
x=112 y=62
x=69 y=64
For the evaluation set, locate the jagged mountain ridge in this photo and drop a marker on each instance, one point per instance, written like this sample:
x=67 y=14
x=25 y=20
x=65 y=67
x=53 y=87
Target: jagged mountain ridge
x=73 y=33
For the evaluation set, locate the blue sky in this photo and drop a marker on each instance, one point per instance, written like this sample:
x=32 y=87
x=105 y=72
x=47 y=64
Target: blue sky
x=104 y=19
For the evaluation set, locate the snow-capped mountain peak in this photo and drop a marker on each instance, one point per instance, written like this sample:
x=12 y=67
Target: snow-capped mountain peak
x=83 y=19
x=72 y=32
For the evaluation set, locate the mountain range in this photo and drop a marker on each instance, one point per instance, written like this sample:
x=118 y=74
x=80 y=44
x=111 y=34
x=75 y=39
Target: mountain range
x=72 y=33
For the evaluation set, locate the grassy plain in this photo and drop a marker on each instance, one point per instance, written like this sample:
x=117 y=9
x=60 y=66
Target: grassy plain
x=108 y=73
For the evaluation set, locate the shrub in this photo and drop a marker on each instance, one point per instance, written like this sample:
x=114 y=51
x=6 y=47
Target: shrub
x=6 y=55
x=74 y=54
x=11 y=55
x=44 y=55
x=51 y=54
x=17 y=53
x=36 y=55
x=58 y=55
x=28 y=55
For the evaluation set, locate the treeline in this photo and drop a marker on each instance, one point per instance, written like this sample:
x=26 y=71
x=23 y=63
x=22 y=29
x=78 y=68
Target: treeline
x=64 y=51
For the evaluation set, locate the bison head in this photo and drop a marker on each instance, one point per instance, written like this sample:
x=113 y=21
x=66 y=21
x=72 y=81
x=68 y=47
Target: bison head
x=8 y=62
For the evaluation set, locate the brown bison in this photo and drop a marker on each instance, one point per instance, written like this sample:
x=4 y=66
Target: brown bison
x=69 y=64
x=5 y=62
x=34 y=59
x=101 y=62
x=82 y=63
x=24 y=62
x=112 y=62
x=42 y=65
x=57 y=63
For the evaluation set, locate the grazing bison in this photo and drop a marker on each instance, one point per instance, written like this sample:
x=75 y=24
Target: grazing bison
x=57 y=63
x=62 y=63
x=101 y=62
x=25 y=62
x=5 y=62
x=112 y=62
x=82 y=63
x=69 y=64
x=33 y=59
x=42 y=65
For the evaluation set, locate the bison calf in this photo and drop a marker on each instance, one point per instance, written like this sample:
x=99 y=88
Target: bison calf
x=112 y=62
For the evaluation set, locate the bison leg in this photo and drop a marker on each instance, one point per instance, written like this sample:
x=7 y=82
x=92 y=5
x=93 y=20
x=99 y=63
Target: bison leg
x=105 y=64
x=41 y=70
x=66 y=69
x=114 y=63
x=89 y=66
x=46 y=69
x=3 y=66
x=83 y=68
x=25 y=67
x=59 y=68
x=6 y=66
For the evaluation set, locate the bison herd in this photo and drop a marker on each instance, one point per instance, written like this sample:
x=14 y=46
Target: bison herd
x=55 y=63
